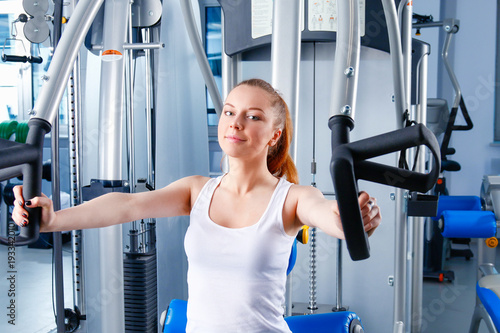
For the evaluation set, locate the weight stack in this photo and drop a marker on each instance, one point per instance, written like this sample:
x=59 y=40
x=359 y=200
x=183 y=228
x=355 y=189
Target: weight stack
x=140 y=293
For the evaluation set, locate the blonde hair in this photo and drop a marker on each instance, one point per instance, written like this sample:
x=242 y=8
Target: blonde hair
x=279 y=161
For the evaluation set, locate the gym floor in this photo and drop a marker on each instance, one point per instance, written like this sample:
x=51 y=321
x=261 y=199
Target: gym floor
x=447 y=307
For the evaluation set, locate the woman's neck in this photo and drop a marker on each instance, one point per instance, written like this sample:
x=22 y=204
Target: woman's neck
x=244 y=176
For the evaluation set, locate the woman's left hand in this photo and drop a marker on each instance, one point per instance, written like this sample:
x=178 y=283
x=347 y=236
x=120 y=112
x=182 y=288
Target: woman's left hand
x=370 y=212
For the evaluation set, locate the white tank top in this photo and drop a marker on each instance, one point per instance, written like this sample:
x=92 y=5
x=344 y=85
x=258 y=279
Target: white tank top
x=237 y=276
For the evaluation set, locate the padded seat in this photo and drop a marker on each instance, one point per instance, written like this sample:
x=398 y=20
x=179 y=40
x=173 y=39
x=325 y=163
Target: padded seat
x=339 y=322
x=488 y=292
x=176 y=320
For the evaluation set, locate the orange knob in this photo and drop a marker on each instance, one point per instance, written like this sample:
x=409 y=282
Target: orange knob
x=492 y=242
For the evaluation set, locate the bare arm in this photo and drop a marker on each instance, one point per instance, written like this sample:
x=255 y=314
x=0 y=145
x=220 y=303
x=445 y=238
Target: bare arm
x=173 y=200
x=314 y=210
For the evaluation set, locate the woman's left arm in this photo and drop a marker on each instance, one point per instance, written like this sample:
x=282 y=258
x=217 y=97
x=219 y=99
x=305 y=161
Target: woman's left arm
x=314 y=210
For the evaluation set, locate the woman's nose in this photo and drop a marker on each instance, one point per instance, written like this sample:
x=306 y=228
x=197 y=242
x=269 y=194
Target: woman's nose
x=236 y=123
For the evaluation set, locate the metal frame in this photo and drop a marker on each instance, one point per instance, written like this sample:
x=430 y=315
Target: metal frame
x=197 y=45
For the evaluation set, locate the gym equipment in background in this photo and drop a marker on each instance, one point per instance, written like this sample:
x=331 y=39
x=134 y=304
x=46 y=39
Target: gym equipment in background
x=442 y=121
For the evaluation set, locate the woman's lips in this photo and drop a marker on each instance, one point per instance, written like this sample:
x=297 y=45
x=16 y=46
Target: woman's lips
x=233 y=138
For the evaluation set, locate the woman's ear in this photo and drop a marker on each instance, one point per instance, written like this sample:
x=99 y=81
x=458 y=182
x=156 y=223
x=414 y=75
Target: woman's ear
x=276 y=137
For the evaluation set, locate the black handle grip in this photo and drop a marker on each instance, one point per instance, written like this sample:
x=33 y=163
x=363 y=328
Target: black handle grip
x=29 y=157
x=32 y=187
x=35 y=60
x=349 y=164
x=14 y=58
x=346 y=189
x=394 y=141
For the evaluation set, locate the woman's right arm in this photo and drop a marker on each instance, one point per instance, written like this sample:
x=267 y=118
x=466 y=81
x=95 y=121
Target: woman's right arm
x=113 y=208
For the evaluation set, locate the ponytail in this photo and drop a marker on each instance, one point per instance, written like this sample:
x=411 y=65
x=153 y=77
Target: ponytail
x=279 y=161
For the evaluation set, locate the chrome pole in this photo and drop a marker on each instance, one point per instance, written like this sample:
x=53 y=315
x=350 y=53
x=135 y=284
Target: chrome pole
x=397 y=60
x=110 y=167
x=199 y=52
x=346 y=66
x=75 y=143
x=48 y=101
x=285 y=62
x=149 y=121
x=419 y=222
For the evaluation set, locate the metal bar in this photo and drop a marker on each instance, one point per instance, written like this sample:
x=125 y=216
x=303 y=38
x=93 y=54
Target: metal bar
x=428 y=25
x=130 y=108
x=11 y=172
x=313 y=306
x=111 y=97
x=153 y=70
x=149 y=121
x=75 y=141
x=419 y=222
x=400 y=252
x=135 y=46
x=401 y=107
x=406 y=12
x=47 y=103
x=229 y=66
x=285 y=56
x=230 y=75
x=397 y=60
x=199 y=52
x=406 y=41
x=56 y=191
x=143 y=46
x=346 y=67
x=56 y=236
x=338 y=269
x=449 y=69
x=285 y=62
x=112 y=313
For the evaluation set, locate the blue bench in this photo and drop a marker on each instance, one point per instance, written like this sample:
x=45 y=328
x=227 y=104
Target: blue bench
x=488 y=307
x=339 y=322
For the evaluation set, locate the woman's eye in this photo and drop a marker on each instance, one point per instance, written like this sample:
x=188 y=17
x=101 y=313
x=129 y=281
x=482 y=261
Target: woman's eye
x=253 y=117
x=228 y=113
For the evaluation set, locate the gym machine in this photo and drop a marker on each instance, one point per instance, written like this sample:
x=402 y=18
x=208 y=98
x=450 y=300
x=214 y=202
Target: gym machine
x=353 y=155
x=488 y=295
x=349 y=161
x=442 y=121
x=25 y=159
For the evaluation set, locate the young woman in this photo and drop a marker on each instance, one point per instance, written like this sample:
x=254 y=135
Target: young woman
x=242 y=223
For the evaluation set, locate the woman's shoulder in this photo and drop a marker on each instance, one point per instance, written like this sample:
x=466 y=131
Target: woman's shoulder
x=297 y=191
x=296 y=195
x=195 y=183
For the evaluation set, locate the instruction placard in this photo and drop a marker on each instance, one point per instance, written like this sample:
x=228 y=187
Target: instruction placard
x=262 y=18
x=322 y=15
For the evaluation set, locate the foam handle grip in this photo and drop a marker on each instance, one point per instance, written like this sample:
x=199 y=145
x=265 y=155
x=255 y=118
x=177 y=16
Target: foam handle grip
x=458 y=202
x=35 y=60
x=14 y=58
x=468 y=224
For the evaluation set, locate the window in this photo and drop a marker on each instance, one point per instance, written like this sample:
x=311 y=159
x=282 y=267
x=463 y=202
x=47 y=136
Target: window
x=11 y=80
x=20 y=82
x=213 y=49
x=211 y=25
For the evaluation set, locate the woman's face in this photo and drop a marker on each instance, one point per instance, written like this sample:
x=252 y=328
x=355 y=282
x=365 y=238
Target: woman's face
x=247 y=123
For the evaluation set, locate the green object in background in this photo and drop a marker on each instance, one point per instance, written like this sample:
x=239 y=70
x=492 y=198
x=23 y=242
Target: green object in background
x=7 y=128
x=22 y=132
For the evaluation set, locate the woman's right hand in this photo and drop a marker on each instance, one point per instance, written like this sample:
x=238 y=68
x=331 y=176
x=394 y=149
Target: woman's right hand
x=21 y=216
